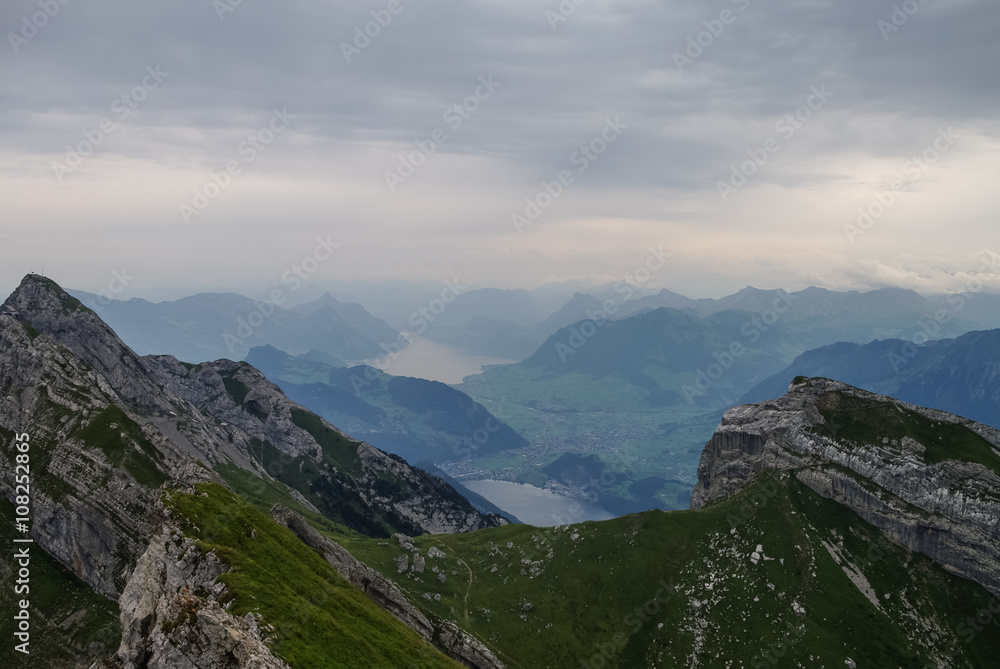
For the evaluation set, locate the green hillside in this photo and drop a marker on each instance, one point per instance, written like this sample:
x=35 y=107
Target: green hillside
x=319 y=620
x=642 y=394
x=682 y=589
x=414 y=418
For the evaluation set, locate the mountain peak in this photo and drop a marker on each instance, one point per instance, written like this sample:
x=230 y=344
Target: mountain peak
x=940 y=494
x=43 y=304
x=39 y=293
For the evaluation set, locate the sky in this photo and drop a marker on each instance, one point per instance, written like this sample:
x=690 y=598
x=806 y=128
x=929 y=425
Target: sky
x=200 y=144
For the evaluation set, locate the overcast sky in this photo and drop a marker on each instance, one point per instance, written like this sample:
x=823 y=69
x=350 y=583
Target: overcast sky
x=669 y=98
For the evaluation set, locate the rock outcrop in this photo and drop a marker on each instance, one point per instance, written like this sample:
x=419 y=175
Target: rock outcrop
x=172 y=617
x=927 y=479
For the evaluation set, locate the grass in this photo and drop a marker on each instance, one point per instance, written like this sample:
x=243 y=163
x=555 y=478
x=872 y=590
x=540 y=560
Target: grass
x=236 y=389
x=125 y=445
x=320 y=621
x=32 y=332
x=865 y=421
x=337 y=449
x=264 y=494
x=597 y=591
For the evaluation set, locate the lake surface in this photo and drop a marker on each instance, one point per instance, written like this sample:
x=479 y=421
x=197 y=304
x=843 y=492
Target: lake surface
x=426 y=359
x=536 y=506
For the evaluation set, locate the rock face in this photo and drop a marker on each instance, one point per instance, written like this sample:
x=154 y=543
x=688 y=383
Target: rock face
x=927 y=479
x=171 y=615
x=453 y=641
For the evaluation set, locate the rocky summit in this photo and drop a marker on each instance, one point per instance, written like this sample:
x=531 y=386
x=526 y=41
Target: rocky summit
x=929 y=480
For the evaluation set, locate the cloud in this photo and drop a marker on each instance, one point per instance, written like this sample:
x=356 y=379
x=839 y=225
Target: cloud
x=753 y=64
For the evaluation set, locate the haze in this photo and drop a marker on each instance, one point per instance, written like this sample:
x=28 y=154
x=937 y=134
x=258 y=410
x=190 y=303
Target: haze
x=418 y=147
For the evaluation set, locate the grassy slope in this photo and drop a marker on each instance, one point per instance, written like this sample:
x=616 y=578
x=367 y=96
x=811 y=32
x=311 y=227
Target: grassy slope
x=605 y=590
x=124 y=444
x=320 y=621
x=857 y=420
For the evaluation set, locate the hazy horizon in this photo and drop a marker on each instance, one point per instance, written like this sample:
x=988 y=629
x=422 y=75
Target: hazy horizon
x=357 y=291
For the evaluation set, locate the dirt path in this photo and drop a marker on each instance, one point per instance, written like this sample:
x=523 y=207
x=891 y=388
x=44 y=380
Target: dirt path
x=468 y=588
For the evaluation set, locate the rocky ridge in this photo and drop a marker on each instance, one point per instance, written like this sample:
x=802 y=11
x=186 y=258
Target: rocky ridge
x=864 y=451
x=108 y=428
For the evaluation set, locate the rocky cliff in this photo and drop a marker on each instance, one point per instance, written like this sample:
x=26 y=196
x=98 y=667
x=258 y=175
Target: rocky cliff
x=929 y=480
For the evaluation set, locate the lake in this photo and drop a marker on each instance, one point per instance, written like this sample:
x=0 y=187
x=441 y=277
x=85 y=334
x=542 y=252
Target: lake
x=536 y=506
x=426 y=359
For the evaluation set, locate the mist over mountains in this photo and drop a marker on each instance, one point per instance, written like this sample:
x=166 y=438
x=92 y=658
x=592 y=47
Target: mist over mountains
x=209 y=326
x=633 y=382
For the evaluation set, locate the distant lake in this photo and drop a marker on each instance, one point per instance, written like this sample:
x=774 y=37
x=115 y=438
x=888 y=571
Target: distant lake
x=426 y=359
x=536 y=506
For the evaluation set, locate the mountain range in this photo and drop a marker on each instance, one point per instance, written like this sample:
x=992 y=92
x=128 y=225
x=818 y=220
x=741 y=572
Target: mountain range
x=192 y=515
x=804 y=549
x=210 y=326
x=957 y=375
x=513 y=324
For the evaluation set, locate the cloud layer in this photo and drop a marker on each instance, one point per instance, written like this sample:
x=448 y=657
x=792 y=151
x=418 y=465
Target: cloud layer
x=752 y=140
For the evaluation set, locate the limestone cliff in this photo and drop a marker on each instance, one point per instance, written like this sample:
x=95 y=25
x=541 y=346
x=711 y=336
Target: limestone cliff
x=928 y=480
x=172 y=615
